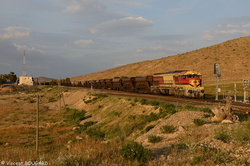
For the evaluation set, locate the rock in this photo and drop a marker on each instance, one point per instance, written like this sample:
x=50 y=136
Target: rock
x=181 y=128
x=227 y=121
x=224 y=112
x=74 y=128
x=79 y=138
x=215 y=119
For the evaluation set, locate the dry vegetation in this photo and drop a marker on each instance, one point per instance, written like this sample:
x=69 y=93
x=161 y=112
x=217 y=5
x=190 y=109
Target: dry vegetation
x=233 y=57
x=95 y=129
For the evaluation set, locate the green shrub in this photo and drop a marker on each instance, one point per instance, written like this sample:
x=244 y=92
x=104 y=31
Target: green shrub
x=133 y=104
x=149 y=127
x=207 y=115
x=75 y=115
x=144 y=101
x=136 y=100
x=190 y=108
x=242 y=133
x=222 y=135
x=52 y=99
x=96 y=132
x=73 y=161
x=206 y=110
x=168 y=129
x=88 y=124
x=152 y=117
x=135 y=151
x=154 y=138
x=163 y=113
x=197 y=160
x=155 y=102
x=199 y=122
x=97 y=96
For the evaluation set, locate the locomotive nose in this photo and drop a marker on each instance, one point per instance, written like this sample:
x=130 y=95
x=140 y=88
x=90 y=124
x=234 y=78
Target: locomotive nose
x=194 y=83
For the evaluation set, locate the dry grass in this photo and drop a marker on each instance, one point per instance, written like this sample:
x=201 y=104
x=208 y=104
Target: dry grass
x=120 y=120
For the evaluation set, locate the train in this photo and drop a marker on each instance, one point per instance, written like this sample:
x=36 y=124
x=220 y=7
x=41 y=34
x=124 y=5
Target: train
x=181 y=83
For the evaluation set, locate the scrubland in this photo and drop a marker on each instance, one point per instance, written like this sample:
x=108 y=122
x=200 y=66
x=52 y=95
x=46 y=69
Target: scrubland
x=92 y=128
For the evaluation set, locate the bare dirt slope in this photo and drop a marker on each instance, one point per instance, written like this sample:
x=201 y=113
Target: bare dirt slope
x=113 y=111
x=233 y=57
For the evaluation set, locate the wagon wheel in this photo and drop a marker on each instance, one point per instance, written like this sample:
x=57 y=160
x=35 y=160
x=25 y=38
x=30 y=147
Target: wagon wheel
x=177 y=92
x=182 y=93
x=156 y=91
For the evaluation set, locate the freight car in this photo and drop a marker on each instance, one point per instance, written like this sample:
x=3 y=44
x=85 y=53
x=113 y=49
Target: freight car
x=183 y=83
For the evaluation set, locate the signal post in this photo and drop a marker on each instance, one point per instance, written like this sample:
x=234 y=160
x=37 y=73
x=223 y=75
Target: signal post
x=217 y=74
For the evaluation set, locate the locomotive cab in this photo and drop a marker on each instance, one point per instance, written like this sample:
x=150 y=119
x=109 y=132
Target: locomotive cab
x=193 y=80
x=186 y=83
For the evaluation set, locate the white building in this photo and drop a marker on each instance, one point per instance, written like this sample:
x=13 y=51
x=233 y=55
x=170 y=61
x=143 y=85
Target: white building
x=26 y=80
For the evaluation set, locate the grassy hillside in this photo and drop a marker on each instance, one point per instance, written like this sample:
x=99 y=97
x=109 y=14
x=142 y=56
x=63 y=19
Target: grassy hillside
x=233 y=57
x=96 y=129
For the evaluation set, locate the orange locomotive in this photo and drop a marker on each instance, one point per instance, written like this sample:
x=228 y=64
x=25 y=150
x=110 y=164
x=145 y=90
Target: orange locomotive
x=184 y=83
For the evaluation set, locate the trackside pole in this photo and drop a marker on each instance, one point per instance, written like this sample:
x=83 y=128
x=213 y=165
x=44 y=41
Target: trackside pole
x=245 y=84
x=216 y=89
x=235 y=92
x=37 y=126
x=217 y=74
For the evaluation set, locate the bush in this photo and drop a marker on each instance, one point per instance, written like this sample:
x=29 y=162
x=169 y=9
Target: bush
x=135 y=151
x=96 y=132
x=207 y=110
x=52 y=99
x=242 y=133
x=168 y=129
x=197 y=160
x=149 y=127
x=100 y=95
x=222 y=135
x=75 y=115
x=88 y=124
x=144 y=101
x=199 y=122
x=97 y=96
x=154 y=138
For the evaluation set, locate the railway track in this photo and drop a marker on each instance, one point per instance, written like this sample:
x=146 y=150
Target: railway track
x=237 y=107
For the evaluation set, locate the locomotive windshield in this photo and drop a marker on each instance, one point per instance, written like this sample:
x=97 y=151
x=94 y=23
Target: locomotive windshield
x=193 y=76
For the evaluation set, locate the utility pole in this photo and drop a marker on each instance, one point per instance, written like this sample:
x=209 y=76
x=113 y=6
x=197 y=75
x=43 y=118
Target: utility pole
x=216 y=90
x=60 y=96
x=217 y=74
x=59 y=93
x=245 y=84
x=37 y=126
x=235 y=92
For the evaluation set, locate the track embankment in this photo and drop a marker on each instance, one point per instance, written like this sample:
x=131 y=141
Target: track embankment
x=237 y=107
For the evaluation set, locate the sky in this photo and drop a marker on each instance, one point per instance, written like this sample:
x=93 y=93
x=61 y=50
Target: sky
x=67 y=38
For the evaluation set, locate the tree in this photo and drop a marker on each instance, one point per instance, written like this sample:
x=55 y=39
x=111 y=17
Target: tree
x=11 y=77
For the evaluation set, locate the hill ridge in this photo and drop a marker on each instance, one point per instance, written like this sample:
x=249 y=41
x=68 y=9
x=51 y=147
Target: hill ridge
x=232 y=55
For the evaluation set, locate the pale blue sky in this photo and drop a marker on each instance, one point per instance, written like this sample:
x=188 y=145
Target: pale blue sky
x=66 y=38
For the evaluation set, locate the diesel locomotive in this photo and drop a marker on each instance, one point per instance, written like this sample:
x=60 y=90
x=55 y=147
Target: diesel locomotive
x=183 y=83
